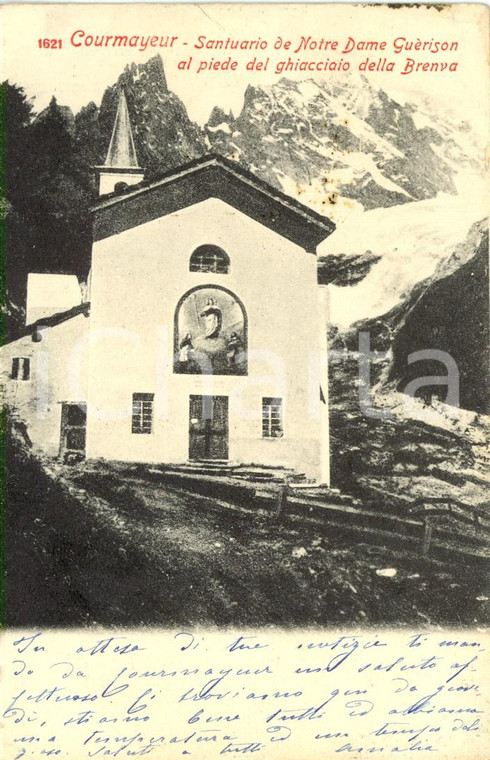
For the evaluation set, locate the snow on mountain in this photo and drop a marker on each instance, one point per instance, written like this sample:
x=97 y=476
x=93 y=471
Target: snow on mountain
x=344 y=148
x=341 y=145
x=338 y=146
x=412 y=244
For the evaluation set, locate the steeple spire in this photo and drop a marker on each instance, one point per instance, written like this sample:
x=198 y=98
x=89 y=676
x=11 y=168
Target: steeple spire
x=121 y=164
x=121 y=153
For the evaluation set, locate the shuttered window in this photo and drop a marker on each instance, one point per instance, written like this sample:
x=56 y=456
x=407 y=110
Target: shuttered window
x=21 y=368
x=142 y=417
x=272 y=422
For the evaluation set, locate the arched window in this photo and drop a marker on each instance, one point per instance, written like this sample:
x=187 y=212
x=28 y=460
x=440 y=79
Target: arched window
x=210 y=333
x=209 y=258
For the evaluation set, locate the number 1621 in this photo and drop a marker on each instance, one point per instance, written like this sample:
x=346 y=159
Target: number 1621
x=50 y=44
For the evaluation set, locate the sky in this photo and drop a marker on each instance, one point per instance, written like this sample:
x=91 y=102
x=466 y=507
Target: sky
x=77 y=75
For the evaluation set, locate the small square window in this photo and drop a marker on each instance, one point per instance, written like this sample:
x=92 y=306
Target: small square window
x=142 y=413
x=21 y=368
x=272 y=418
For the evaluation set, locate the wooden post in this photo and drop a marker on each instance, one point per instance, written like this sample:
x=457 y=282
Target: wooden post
x=282 y=499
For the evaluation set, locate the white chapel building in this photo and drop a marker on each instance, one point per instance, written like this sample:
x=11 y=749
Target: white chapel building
x=201 y=334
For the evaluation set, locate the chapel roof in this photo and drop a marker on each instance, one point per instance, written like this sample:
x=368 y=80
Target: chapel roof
x=211 y=176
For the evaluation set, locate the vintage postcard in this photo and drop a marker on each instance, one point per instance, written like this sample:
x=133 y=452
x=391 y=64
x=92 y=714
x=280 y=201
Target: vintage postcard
x=245 y=381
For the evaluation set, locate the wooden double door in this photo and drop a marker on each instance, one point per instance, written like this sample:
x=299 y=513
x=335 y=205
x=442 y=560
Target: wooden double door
x=208 y=427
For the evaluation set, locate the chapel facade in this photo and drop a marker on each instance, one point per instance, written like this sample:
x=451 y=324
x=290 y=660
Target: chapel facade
x=202 y=332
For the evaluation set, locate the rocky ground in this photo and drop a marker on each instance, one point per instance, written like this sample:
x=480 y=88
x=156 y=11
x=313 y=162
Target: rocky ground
x=419 y=450
x=97 y=544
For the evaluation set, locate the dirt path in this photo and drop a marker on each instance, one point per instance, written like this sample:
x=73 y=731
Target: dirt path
x=98 y=545
x=179 y=558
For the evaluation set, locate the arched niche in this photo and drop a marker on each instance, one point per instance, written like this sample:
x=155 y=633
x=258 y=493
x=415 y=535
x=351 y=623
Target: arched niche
x=210 y=335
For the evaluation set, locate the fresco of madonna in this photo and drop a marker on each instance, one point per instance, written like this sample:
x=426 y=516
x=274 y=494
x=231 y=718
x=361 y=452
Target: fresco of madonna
x=210 y=334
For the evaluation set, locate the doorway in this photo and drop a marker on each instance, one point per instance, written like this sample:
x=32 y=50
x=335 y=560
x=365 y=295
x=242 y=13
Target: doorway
x=73 y=428
x=208 y=427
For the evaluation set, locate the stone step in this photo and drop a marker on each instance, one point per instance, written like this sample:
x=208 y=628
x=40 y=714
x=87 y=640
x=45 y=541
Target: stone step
x=248 y=473
x=272 y=475
x=210 y=462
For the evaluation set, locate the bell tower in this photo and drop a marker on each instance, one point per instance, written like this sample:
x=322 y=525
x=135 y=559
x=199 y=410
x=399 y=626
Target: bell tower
x=121 y=164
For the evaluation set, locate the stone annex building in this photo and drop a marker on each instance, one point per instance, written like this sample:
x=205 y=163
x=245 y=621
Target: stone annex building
x=201 y=334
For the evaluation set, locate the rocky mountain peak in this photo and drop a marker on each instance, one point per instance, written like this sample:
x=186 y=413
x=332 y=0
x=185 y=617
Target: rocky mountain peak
x=164 y=136
x=219 y=117
x=151 y=73
x=341 y=144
